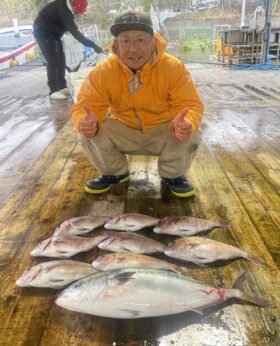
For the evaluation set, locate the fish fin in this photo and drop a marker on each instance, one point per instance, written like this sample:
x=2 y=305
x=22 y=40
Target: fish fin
x=224 y=224
x=85 y=230
x=122 y=278
x=200 y=264
x=130 y=225
x=196 y=310
x=57 y=280
x=125 y=249
x=62 y=254
x=255 y=259
x=238 y=282
x=260 y=301
x=132 y=313
x=183 y=233
x=200 y=261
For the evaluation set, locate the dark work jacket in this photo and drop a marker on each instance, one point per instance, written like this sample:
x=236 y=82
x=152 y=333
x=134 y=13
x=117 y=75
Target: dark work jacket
x=56 y=18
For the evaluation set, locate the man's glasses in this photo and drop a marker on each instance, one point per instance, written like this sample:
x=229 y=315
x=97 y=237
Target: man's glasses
x=138 y=42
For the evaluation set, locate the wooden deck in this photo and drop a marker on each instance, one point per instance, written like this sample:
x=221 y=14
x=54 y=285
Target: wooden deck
x=236 y=173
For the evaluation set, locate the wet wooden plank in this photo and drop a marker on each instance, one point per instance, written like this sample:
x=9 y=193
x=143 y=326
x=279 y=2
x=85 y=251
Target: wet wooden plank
x=232 y=182
x=261 y=123
x=254 y=180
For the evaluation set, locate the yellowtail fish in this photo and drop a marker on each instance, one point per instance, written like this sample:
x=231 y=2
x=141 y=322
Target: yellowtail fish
x=142 y=292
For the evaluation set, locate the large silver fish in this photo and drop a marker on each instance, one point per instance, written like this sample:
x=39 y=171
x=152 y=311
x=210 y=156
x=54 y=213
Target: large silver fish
x=137 y=293
x=80 y=225
x=131 y=222
x=65 y=247
x=203 y=250
x=130 y=242
x=185 y=225
x=55 y=274
x=127 y=259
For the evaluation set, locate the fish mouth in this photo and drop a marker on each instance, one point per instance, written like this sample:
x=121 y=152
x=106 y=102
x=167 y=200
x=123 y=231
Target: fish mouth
x=20 y=283
x=28 y=276
x=41 y=247
x=65 y=298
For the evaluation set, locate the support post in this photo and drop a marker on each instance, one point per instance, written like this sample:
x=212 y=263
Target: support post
x=267 y=30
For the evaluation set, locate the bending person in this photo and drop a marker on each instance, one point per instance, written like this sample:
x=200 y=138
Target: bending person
x=49 y=26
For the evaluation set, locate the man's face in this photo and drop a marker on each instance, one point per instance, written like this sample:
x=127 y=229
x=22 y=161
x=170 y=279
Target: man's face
x=135 y=48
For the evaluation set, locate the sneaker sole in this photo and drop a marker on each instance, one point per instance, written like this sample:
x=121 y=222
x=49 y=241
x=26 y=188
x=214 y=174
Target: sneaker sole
x=97 y=192
x=184 y=194
x=180 y=194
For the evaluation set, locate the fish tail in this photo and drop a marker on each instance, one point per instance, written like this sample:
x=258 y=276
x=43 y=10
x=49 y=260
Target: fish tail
x=260 y=301
x=224 y=224
x=254 y=259
x=236 y=292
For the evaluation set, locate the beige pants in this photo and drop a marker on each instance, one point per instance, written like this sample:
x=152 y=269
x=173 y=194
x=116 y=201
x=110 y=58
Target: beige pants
x=107 y=150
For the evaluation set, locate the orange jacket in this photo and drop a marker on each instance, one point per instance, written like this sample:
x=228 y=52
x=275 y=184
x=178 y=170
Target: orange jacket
x=166 y=90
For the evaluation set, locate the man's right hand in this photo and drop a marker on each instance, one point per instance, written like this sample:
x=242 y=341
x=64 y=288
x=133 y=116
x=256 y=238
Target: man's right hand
x=89 y=125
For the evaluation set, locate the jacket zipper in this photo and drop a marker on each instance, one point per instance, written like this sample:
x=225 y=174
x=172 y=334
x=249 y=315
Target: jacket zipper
x=135 y=85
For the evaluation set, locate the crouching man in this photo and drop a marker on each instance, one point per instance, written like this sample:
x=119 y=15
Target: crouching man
x=154 y=108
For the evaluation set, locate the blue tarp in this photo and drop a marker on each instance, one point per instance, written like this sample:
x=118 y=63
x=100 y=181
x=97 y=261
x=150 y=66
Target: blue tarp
x=266 y=66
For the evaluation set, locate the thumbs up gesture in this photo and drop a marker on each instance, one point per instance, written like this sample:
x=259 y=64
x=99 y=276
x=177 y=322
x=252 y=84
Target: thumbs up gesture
x=89 y=125
x=182 y=129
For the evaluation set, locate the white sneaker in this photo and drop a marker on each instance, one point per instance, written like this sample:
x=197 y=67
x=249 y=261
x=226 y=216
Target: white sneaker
x=58 y=95
x=65 y=91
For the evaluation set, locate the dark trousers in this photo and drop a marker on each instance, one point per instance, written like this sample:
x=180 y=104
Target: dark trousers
x=52 y=50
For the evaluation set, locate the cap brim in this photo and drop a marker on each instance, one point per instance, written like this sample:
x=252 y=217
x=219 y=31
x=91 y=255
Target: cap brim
x=116 y=29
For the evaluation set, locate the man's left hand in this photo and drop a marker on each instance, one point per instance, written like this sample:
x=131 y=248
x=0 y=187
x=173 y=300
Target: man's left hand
x=181 y=128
